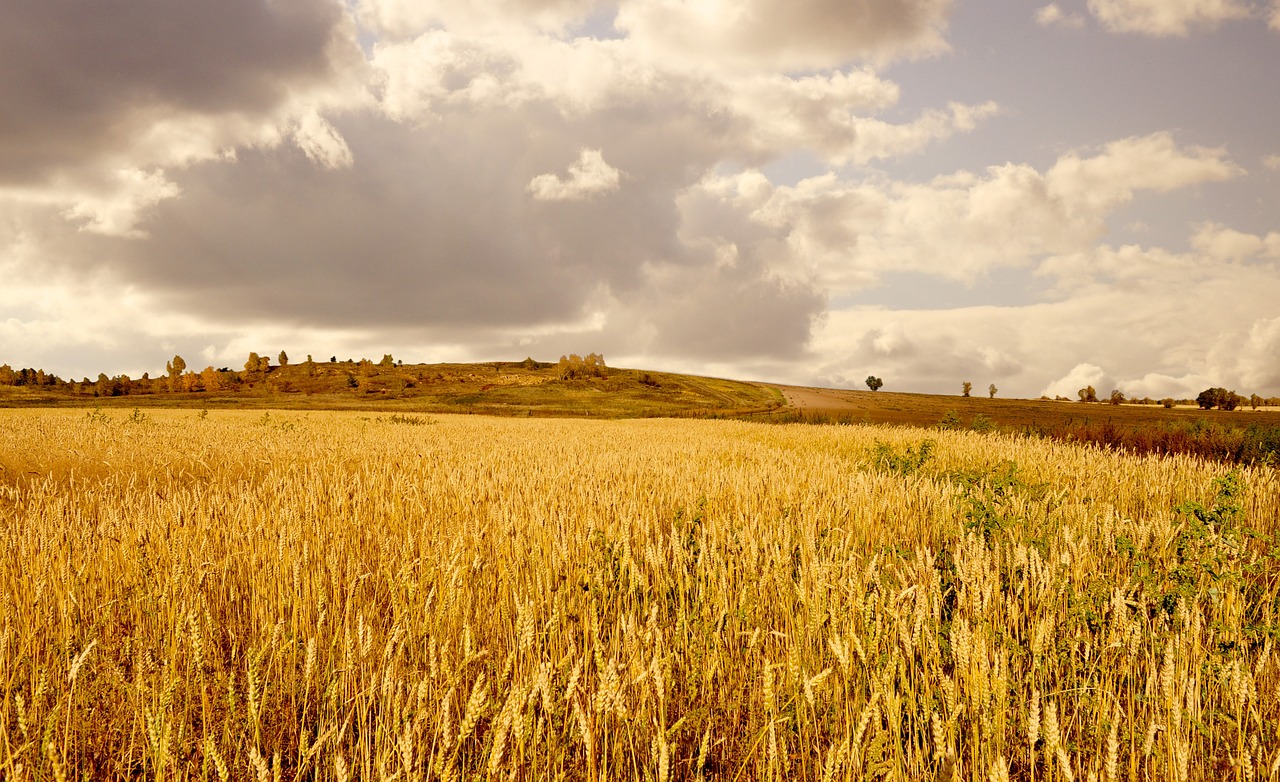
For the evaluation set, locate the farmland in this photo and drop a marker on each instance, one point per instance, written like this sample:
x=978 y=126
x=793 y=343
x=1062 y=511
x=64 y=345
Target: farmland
x=193 y=594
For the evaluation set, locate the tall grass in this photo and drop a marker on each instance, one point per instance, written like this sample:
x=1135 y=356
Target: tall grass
x=326 y=596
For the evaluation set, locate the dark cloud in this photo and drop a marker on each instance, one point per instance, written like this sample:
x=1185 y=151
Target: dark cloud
x=79 y=78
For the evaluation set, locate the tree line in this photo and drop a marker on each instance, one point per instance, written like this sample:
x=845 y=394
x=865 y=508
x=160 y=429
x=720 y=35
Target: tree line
x=177 y=377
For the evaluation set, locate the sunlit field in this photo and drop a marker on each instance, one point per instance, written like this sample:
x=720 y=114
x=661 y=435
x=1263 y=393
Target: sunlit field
x=334 y=596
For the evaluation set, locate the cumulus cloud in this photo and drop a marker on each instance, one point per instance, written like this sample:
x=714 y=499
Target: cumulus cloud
x=1257 y=356
x=1161 y=18
x=849 y=234
x=1153 y=162
x=1051 y=15
x=1080 y=376
x=1220 y=242
x=590 y=176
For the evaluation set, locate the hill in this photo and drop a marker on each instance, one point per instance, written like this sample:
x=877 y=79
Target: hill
x=492 y=388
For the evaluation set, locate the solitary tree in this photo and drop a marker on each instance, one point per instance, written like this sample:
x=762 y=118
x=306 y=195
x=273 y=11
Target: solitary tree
x=874 y=383
x=991 y=391
x=284 y=359
x=967 y=387
x=1117 y=397
x=1088 y=394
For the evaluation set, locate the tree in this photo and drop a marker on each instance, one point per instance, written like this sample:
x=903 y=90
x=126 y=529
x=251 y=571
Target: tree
x=387 y=361
x=967 y=386
x=284 y=359
x=874 y=383
x=1088 y=394
x=1254 y=401
x=1117 y=397
x=1220 y=398
x=991 y=391
x=175 y=369
x=257 y=366
x=575 y=367
x=210 y=379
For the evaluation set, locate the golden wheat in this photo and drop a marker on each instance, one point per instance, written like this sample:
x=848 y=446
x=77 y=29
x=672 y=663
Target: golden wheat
x=337 y=596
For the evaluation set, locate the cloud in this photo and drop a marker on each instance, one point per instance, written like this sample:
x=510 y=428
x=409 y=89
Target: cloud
x=117 y=212
x=761 y=114
x=1051 y=15
x=321 y=142
x=849 y=234
x=1163 y=18
x=408 y=18
x=785 y=35
x=590 y=176
x=1257 y=356
x=99 y=80
x=117 y=95
x=1153 y=162
x=1220 y=242
x=1080 y=376
x=1272 y=162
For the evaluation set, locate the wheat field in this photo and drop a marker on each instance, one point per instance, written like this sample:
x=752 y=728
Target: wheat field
x=331 y=596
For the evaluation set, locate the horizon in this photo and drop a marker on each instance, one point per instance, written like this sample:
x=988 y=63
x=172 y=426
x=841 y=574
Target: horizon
x=1042 y=196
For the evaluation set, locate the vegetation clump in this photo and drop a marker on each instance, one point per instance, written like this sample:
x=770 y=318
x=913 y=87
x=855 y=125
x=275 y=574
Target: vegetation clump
x=575 y=367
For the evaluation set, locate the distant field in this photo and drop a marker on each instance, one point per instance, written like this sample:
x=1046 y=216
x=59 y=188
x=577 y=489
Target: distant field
x=289 y=595
x=530 y=389
x=1241 y=436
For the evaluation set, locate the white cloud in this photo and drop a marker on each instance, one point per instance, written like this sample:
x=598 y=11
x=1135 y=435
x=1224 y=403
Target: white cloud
x=590 y=176
x=1275 y=16
x=1219 y=242
x=848 y=234
x=1051 y=15
x=1257 y=356
x=1153 y=162
x=117 y=211
x=1155 y=385
x=1160 y=18
x=1272 y=161
x=1080 y=376
x=321 y=142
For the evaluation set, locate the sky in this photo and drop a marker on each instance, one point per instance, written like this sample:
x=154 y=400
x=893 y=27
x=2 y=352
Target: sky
x=1039 y=196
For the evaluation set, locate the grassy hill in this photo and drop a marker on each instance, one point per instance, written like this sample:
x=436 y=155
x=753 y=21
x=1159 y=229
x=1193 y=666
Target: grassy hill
x=494 y=388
